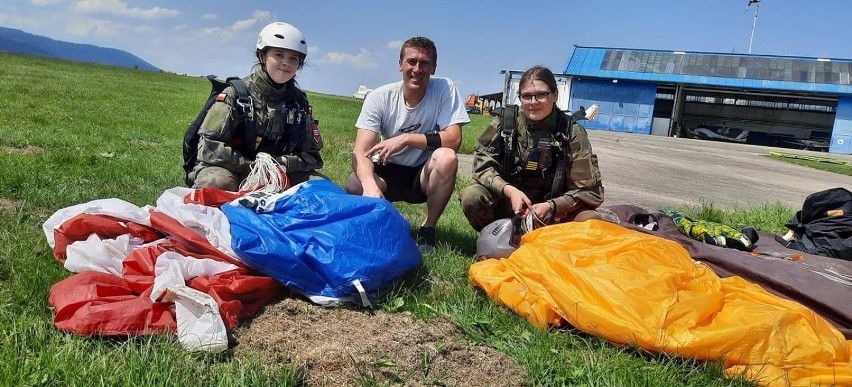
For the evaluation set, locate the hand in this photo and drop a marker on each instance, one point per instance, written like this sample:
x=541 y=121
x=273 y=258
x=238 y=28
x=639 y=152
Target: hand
x=542 y=210
x=384 y=149
x=543 y=214
x=520 y=202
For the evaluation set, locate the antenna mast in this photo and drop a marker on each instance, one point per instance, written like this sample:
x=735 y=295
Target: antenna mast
x=754 y=23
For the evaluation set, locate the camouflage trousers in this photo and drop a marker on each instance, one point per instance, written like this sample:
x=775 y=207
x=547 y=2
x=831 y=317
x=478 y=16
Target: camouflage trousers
x=222 y=178
x=481 y=206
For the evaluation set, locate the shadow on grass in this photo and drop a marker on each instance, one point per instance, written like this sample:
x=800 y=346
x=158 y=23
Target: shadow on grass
x=417 y=283
x=463 y=242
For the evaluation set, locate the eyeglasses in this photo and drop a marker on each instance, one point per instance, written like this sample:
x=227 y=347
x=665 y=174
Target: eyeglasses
x=538 y=97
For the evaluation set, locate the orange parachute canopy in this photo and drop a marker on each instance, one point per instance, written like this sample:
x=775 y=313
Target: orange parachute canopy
x=633 y=288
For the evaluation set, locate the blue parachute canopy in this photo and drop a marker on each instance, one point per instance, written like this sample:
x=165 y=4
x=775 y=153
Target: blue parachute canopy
x=318 y=240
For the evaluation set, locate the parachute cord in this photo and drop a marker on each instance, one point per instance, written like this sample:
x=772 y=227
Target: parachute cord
x=832 y=274
x=266 y=176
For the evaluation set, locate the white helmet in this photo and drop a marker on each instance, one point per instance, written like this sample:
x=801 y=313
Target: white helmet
x=496 y=240
x=282 y=35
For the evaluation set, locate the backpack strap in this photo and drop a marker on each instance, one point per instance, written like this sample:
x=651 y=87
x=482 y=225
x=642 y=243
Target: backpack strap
x=563 y=135
x=244 y=107
x=508 y=123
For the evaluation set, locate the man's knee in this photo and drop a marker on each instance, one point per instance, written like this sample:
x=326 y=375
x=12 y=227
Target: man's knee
x=472 y=196
x=353 y=185
x=216 y=177
x=439 y=173
x=445 y=160
x=477 y=205
x=587 y=215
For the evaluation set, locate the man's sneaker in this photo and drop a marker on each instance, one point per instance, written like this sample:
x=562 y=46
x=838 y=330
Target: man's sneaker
x=426 y=239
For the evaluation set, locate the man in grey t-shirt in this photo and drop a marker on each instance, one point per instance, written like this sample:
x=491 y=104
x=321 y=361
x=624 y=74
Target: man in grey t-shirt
x=408 y=136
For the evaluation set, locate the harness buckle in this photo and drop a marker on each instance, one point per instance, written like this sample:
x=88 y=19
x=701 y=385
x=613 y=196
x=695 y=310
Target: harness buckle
x=244 y=104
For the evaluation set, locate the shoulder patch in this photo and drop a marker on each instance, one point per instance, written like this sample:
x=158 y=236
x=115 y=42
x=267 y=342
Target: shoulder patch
x=315 y=131
x=221 y=97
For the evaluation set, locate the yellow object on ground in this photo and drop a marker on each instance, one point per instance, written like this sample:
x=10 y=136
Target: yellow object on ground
x=818 y=159
x=634 y=288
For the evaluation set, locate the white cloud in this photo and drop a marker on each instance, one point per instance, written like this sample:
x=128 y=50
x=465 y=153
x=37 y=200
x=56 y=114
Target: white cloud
x=313 y=50
x=363 y=60
x=394 y=45
x=209 y=16
x=42 y=3
x=261 y=15
x=239 y=26
x=243 y=24
x=144 y=29
x=256 y=16
x=212 y=31
x=86 y=26
x=120 y=8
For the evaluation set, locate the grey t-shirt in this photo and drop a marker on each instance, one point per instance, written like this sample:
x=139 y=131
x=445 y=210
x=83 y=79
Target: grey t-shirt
x=384 y=112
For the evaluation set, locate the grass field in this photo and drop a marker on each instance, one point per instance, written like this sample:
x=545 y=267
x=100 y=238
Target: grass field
x=72 y=133
x=823 y=164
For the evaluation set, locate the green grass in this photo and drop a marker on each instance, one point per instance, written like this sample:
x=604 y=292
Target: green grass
x=72 y=133
x=833 y=167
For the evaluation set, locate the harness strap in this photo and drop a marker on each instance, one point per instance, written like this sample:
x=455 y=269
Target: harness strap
x=509 y=123
x=365 y=300
x=244 y=108
x=564 y=157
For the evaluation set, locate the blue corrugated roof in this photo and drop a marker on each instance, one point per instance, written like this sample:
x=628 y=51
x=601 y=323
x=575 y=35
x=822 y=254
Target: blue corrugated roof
x=765 y=72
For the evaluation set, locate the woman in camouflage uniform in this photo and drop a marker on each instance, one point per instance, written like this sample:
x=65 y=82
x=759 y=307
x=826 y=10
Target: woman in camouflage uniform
x=285 y=128
x=524 y=188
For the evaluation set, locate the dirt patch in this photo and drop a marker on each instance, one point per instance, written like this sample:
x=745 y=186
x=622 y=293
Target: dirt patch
x=346 y=347
x=143 y=143
x=25 y=150
x=10 y=205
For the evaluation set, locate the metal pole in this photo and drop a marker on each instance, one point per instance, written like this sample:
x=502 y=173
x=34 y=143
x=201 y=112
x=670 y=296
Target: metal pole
x=753 y=25
x=675 y=123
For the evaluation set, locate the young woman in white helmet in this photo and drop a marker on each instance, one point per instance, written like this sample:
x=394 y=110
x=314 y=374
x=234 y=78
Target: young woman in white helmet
x=282 y=117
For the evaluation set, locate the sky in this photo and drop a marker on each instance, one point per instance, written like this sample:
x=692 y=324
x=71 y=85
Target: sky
x=352 y=43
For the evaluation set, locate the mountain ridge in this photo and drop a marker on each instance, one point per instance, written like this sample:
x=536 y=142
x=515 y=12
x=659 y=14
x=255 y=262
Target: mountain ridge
x=22 y=42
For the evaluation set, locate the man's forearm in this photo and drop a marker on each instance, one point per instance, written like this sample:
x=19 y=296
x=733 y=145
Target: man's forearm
x=451 y=137
x=363 y=167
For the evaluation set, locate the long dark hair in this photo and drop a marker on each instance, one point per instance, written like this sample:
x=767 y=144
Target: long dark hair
x=538 y=73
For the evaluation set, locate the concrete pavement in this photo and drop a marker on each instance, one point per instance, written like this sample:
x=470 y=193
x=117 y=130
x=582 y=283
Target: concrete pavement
x=660 y=172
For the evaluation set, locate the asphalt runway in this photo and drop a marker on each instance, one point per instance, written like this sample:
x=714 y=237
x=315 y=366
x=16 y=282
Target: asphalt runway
x=656 y=172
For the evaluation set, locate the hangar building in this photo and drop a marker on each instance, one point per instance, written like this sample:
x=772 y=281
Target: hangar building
x=785 y=101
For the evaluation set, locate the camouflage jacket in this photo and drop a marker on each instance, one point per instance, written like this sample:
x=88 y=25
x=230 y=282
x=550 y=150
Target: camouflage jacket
x=533 y=170
x=284 y=129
